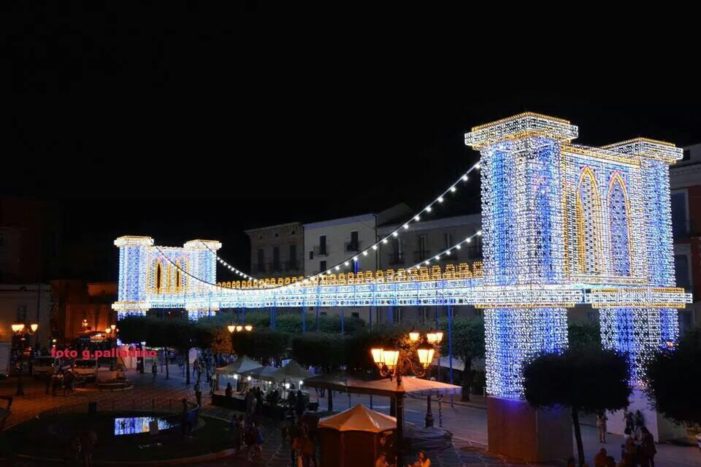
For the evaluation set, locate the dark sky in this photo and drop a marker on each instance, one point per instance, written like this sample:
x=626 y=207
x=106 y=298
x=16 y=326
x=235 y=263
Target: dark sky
x=185 y=120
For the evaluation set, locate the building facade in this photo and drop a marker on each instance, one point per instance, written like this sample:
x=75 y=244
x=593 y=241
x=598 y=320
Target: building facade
x=277 y=250
x=425 y=240
x=685 y=182
x=23 y=304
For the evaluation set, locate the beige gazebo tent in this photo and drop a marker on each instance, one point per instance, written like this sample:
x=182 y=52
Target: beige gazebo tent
x=232 y=370
x=292 y=372
x=354 y=437
x=239 y=366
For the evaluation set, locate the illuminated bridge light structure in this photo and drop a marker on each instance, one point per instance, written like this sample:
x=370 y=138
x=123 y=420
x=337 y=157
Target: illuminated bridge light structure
x=563 y=225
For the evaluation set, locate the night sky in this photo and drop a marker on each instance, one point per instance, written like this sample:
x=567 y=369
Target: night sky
x=183 y=120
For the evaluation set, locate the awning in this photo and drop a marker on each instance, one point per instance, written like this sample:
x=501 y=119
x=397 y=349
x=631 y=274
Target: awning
x=359 y=418
x=239 y=366
x=382 y=387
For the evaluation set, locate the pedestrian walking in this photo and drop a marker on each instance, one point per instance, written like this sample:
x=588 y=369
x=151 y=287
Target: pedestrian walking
x=236 y=434
x=647 y=448
x=629 y=423
x=154 y=370
x=601 y=419
x=198 y=393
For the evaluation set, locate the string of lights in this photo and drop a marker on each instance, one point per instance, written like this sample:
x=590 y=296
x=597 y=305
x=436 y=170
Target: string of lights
x=347 y=262
x=447 y=252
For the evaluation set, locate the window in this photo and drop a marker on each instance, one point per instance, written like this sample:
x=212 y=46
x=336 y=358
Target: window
x=447 y=240
x=421 y=252
x=354 y=243
x=311 y=254
x=397 y=255
x=681 y=270
x=276 y=258
x=322 y=245
x=475 y=249
x=293 y=257
x=261 y=260
x=322 y=266
x=680 y=220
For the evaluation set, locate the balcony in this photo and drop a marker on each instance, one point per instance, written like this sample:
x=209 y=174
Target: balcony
x=352 y=246
x=318 y=251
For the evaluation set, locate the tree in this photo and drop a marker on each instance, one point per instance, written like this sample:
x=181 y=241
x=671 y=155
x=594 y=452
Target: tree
x=327 y=351
x=221 y=342
x=263 y=344
x=134 y=329
x=468 y=343
x=585 y=379
x=673 y=379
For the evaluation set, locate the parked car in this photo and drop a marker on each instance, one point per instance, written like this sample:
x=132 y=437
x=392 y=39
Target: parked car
x=85 y=369
x=44 y=366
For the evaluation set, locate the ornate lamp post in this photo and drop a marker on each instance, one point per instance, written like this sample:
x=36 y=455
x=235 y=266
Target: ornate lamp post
x=20 y=331
x=413 y=356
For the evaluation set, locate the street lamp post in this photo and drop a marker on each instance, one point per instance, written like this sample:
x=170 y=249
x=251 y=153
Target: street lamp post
x=413 y=356
x=20 y=330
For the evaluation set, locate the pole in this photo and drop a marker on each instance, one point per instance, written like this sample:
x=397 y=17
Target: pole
x=342 y=322
x=399 y=401
x=450 y=342
x=38 y=314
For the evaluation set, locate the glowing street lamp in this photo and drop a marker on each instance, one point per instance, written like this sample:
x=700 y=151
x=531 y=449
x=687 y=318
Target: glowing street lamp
x=395 y=363
x=425 y=353
x=239 y=328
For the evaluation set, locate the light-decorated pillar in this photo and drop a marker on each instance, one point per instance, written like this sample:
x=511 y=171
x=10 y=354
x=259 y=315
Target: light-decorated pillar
x=200 y=300
x=132 y=287
x=522 y=235
x=639 y=331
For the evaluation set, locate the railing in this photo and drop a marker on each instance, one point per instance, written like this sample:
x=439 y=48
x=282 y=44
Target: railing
x=318 y=251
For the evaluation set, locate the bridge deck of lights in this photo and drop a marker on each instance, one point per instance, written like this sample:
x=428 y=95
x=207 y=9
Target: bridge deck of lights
x=460 y=284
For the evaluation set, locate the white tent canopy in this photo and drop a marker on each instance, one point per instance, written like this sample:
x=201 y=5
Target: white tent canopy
x=239 y=366
x=265 y=373
x=359 y=418
x=293 y=371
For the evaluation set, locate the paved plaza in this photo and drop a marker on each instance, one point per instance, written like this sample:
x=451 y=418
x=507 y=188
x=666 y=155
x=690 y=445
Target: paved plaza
x=467 y=422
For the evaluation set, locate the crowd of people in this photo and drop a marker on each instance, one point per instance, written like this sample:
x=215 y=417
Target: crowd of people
x=638 y=448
